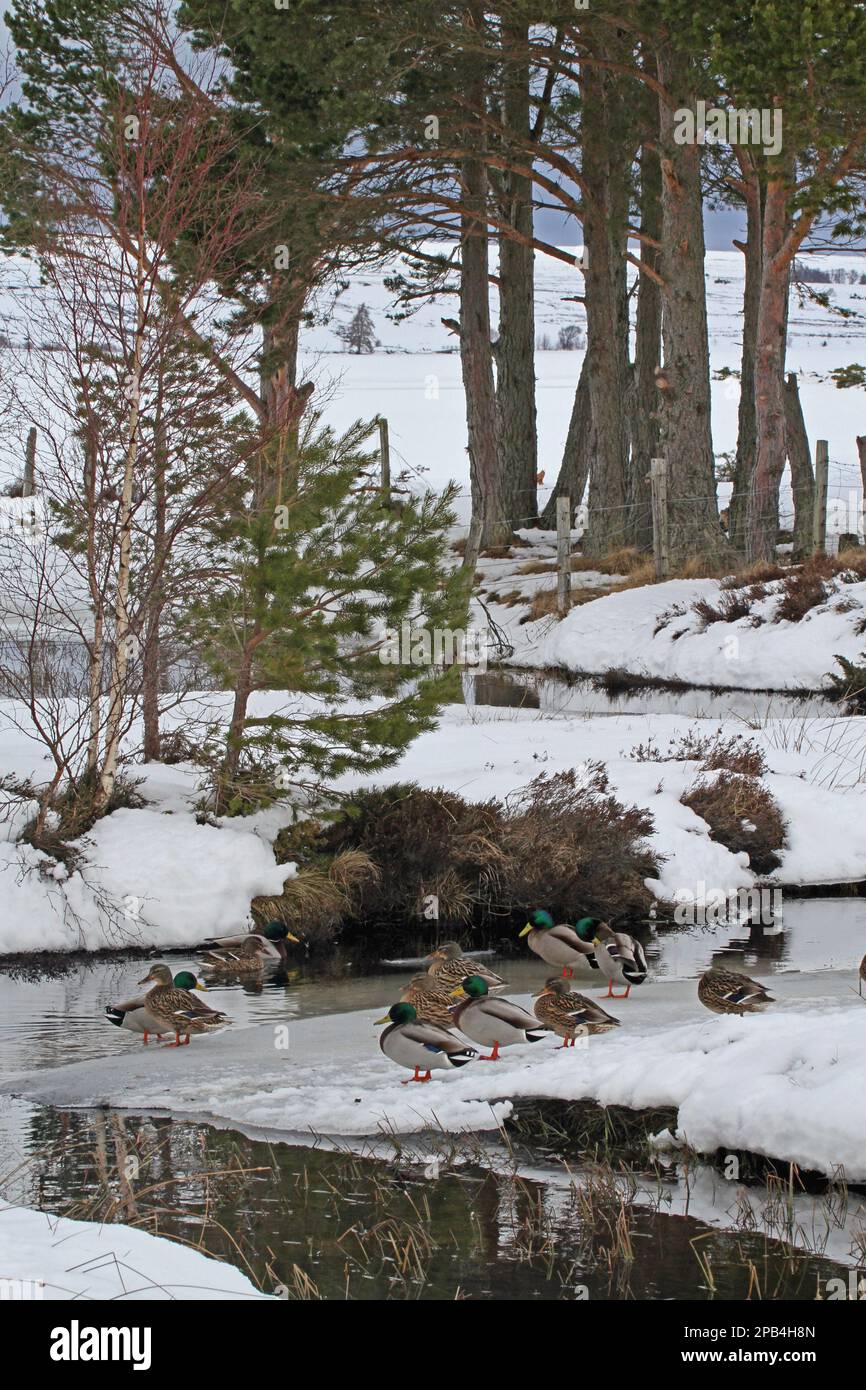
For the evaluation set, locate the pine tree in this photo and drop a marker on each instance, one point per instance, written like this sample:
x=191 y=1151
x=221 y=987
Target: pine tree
x=317 y=569
x=360 y=335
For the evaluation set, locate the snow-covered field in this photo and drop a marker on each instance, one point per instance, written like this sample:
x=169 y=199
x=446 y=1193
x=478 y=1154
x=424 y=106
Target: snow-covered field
x=51 y=1257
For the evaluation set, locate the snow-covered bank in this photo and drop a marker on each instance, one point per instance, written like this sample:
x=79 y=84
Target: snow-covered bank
x=51 y=1257
x=173 y=881
x=787 y=1084
x=654 y=631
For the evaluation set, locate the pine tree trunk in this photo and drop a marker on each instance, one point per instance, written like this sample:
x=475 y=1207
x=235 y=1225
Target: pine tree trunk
x=577 y=454
x=644 y=421
x=604 y=239
x=515 y=355
x=746 y=421
x=685 y=436
x=770 y=446
x=476 y=359
x=802 y=474
x=235 y=734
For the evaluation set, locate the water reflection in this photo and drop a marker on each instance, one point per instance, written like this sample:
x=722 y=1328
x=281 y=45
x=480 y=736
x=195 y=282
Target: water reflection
x=313 y=1224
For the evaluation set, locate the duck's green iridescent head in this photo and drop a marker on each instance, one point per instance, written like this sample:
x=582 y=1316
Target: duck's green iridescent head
x=186 y=980
x=539 y=920
x=399 y=1013
x=278 y=931
x=472 y=987
x=586 y=928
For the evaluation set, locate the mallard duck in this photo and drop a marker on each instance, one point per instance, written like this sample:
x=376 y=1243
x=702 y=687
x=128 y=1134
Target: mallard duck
x=249 y=958
x=862 y=975
x=568 y=1013
x=174 y=1009
x=620 y=957
x=730 y=992
x=559 y=944
x=135 y=1017
x=273 y=937
x=431 y=1002
x=493 y=1022
x=450 y=967
x=411 y=1042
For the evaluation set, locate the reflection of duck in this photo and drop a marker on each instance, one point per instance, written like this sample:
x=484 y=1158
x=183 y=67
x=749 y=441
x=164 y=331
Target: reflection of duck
x=175 y=1010
x=420 y=1046
x=273 y=937
x=729 y=992
x=559 y=944
x=568 y=1013
x=135 y=1017
x=491 y=1021
x=450 y=967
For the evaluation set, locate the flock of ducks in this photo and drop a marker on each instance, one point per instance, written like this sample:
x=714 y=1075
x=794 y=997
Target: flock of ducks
x=172 y=1007
x=459 y=995
x=458 y=998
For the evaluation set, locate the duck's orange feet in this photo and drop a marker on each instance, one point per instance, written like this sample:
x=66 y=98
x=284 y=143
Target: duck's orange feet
x=416 y=1077
x=492 y=1056
x=146 y=1036
x=177 y=1042
x=567 y=972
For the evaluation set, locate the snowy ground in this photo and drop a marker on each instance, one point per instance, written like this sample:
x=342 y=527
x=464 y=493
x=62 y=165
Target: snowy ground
x=51 y=1257
x=787 y=1083
x=173 y=881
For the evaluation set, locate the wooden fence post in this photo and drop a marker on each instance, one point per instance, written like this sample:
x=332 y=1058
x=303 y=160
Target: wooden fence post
x=385 y=461
x=659 y=490
x=819 y=514
x=29 y=486
x=563 y=555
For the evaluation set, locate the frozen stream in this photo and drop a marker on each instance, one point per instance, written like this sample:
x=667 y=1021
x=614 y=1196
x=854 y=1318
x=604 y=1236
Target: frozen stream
x=228 y=1124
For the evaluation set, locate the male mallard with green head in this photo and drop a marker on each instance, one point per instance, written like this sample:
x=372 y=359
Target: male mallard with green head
x=620 y=957
x=569 y=1014
x=174 y=1009
x=420 y=1046
x=449 y=967
x=269 y=942
x=729 y=992
x=559 y=944
x=492 y=1021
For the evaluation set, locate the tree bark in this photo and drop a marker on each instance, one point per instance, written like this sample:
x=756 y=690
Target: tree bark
x=802 y=474
x=515 y=355
x=152 y=645
x=684 y=382
x=644 y=418
x=476 y=358
x=746 y=421
x=604 y=238
x=770 y=444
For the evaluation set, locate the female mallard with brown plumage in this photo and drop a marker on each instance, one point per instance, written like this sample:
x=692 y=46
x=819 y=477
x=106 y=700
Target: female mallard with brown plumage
x=730 y=992
x=249 y=952
x=430 y=1000
x=248 y=959
x=449 y=967
x=176 y=1010
x=568 y=1014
